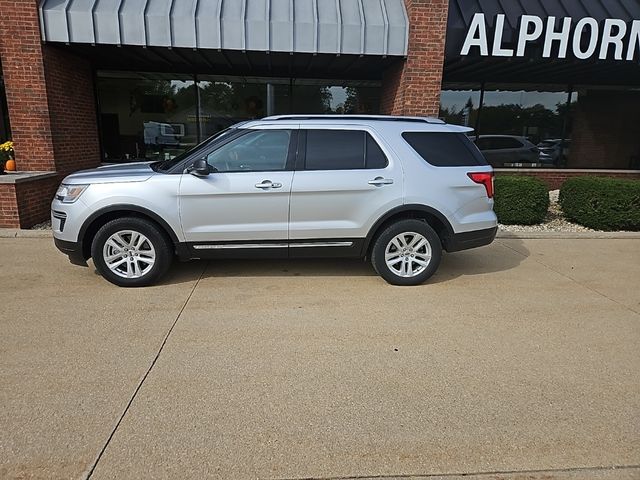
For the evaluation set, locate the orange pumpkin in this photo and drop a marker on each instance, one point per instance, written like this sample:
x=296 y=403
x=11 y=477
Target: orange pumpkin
x=10 y=166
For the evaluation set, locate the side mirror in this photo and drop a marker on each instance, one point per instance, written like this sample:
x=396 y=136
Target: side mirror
x=200 y=168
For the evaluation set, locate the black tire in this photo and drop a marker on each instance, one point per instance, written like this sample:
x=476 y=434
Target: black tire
x=155 y=236
x=388 y=234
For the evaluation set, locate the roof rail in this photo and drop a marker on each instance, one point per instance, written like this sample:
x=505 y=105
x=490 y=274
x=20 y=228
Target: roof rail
x=385 y=118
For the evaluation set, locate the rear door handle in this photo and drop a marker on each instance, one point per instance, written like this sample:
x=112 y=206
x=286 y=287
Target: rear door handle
x=268 y=184
x=379 y=181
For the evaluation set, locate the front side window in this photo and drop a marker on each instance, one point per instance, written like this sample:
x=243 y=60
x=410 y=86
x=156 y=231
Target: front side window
x=255 y=151
x=342 y=150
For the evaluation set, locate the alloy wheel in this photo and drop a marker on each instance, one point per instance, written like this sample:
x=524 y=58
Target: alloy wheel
x=129 y=254
x=408 y=254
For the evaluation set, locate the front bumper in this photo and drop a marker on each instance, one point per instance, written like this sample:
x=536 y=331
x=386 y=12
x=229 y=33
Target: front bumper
x=467 y=240
x=73 y=250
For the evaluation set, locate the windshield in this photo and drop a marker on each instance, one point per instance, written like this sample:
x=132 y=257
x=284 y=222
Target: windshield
x=166 y=165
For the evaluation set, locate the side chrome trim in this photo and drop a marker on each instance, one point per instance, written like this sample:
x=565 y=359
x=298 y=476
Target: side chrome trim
x=232 y=246
x=321 y=244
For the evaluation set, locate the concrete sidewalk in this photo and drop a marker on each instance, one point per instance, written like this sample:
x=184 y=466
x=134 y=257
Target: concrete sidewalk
x=518 y=360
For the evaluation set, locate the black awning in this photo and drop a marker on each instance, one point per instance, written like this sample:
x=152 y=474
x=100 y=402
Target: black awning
x=593 y=42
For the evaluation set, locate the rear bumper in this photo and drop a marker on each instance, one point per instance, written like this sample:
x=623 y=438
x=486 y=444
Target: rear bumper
x=73 y=250
x=467 y=240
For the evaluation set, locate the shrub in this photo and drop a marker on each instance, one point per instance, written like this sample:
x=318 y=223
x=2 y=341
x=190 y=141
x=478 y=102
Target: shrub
x=520 y=200
x=602 y=203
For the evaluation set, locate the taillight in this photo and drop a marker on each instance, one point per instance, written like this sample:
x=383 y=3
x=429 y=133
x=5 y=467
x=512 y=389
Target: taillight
x=484 y=178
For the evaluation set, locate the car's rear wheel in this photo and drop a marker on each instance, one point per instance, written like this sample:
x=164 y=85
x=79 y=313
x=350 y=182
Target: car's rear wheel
x=131 y=252
x=407 y=252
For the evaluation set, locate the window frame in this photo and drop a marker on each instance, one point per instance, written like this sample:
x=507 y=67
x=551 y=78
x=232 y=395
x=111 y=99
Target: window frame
x=301 y=160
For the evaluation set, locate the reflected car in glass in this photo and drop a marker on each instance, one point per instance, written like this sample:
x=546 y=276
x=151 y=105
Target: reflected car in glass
x=553 y=151
x=507 y=150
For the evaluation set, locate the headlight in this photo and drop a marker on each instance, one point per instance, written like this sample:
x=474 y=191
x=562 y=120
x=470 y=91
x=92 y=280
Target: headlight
x=70 y=193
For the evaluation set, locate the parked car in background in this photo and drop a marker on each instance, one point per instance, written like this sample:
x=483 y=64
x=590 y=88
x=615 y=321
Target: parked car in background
x=553 y=151
x=504 y=150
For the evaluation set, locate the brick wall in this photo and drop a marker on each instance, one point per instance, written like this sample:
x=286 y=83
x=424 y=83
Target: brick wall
x=52 y=112
x=24 y=204
x=72 y=108
x=606 y=130
x=8 y=206
x=554 y=178
x=34 y=200
x=413 y=87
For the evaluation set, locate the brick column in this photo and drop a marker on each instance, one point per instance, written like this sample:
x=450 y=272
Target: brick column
x=413 y=87
x=52 y=112
x=24 y=79
x=50 y=96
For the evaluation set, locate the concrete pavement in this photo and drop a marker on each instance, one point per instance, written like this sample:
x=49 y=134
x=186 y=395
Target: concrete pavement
x=517 y=357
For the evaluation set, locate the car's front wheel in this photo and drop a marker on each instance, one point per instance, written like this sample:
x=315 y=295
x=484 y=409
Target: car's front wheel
x=131 y=252
x=407 y=252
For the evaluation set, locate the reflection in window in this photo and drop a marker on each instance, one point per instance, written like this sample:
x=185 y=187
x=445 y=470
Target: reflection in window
x=225 y=101
x=146 y=116
x=155 y=116
x=535 y=115
x=309 y=96
x=459 y=104
x=517 y=125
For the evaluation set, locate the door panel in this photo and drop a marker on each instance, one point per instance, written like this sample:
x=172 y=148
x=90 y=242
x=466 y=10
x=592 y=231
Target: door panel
x=340 y=204
x=229 y=206
x=247 y=197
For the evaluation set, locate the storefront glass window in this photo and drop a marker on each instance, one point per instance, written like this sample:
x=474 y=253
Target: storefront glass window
x=157 y=116
x=536 y=115
x=146 y=116
x=514 y=125
x=459 y=104
x=225 y=101
x=310 y=96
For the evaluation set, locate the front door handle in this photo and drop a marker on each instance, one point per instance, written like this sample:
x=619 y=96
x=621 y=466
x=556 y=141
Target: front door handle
x=379 y=181
x=268 y=184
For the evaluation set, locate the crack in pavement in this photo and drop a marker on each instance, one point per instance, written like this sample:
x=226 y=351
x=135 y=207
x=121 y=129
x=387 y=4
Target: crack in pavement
x=627 y=307
x=87 y=474
x=417 y=476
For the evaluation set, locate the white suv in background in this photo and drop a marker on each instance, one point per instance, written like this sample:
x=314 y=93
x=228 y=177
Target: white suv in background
x=396 y=190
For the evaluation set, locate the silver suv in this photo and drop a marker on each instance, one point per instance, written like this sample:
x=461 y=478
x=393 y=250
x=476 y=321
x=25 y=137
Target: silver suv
x=396 y=190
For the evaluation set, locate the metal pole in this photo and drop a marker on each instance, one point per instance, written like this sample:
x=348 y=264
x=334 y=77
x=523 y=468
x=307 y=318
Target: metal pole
x=477 y=126
x=561 y=160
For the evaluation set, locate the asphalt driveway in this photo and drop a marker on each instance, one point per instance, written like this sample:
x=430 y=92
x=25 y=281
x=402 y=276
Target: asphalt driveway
x=517 y=360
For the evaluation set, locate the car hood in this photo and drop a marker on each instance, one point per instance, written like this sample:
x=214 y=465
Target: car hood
x=130 y=172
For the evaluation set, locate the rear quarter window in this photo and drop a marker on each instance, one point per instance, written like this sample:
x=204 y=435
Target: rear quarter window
x=444 y=149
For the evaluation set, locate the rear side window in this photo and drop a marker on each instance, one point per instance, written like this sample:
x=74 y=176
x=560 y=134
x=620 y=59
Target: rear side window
x=342 y=150
x=443 y=149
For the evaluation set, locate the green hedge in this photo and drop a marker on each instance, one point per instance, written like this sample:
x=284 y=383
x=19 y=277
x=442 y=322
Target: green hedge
x=602 y=203
x=520 y=200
